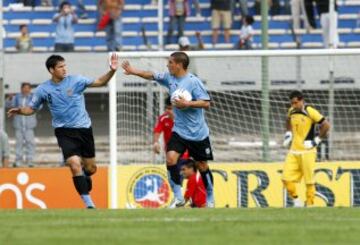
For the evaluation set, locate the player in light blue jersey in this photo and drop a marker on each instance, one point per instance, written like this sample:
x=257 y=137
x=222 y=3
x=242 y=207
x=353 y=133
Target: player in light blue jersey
x=190 y=131
x=64 y=95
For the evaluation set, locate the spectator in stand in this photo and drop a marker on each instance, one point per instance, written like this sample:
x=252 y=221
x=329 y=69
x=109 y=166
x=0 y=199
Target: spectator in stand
x=30 y=3
x=323 y=8
x=110 y=12
x=274 y=6
x=24 y=42
x=81 y=9
x=178 y=11
x=243 y=7
x=185 y=45
x=24 y=127
x=247 y=32
x=221 y=14
x=310 y=14
x=46 y=3
x=298 y=7
x=195 y=2
x=4 y=149
x=64 y=39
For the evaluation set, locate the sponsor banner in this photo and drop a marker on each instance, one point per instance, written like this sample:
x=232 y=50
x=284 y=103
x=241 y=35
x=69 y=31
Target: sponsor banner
x=47 y=188
x=242 y=185
x=143 y=186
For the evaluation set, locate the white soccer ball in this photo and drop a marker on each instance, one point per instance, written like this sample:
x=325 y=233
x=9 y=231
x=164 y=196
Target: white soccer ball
x=180 y=93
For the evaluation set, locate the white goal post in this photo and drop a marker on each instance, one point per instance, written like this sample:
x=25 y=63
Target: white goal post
x=249 y=90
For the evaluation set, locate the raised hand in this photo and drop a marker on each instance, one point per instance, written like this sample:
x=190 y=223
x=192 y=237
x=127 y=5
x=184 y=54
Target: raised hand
x=128 y=69
x=114 y=62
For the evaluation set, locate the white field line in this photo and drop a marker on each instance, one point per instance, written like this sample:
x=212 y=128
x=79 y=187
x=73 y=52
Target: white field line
x=220 y=219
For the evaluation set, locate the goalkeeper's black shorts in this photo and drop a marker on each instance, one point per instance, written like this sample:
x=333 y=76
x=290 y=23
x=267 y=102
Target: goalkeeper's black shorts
x=198 y=150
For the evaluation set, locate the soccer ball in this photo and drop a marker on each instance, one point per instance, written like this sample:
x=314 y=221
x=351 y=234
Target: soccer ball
x=180 y=93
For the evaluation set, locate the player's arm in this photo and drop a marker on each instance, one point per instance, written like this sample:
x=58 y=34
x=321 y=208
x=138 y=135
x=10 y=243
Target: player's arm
x=156 y=144
x=24 y=111
x=181 y=103
x=158 y=129
x=190 y=190
x=130 y=70
x=104 y=79
x=288 y=135
x=324 y=127
x=35 y=104
x=201 y=98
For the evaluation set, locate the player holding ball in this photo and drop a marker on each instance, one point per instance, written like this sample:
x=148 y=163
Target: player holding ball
x=190 y=132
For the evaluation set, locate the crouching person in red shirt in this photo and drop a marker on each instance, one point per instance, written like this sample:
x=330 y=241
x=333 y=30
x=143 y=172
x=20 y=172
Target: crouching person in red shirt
x=195 y=190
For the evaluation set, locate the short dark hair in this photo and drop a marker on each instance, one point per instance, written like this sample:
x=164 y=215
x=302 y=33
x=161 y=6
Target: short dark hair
x=24 y=84
x=167 y=101
x=61 y=6
x=22 y=26
x=190 y=163
x=53 y=60
x=181 y=57
x=296 y=94
x=249 y=19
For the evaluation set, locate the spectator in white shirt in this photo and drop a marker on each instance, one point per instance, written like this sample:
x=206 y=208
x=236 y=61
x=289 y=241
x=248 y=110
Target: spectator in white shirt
x=247 y=32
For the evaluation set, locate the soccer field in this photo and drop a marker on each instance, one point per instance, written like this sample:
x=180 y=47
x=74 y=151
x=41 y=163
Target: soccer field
x=185 y=226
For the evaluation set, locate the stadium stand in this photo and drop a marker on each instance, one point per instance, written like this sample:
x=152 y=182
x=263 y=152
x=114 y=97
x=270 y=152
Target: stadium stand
x=140 y=13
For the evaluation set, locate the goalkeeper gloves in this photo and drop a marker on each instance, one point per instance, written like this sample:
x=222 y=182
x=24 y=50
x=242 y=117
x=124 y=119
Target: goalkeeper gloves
x=287 y=138
x=308 y=144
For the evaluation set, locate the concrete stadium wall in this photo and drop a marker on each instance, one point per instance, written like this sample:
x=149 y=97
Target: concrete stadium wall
x=229 y=74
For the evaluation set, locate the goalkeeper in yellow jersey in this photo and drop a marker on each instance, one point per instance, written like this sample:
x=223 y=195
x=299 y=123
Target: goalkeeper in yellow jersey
x=300 y=136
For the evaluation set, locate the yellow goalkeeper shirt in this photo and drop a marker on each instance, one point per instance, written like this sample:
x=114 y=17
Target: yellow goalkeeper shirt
x=303 y=126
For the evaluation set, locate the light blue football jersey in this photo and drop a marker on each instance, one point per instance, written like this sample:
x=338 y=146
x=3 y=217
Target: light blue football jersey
x=190 y=123
x=65 y=100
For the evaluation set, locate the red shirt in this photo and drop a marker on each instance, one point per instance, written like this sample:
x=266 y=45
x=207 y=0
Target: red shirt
x=165 y=125
x=195 y=190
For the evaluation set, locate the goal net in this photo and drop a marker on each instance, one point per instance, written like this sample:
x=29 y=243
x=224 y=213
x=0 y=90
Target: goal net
x=249 y=93
x=239 y=127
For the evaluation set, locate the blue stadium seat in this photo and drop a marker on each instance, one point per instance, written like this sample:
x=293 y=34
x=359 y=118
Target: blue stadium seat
x=311 y=38
x=139 y=16
x=344 y=9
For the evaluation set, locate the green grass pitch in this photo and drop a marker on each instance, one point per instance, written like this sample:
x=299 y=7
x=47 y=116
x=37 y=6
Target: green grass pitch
x=181 y=226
